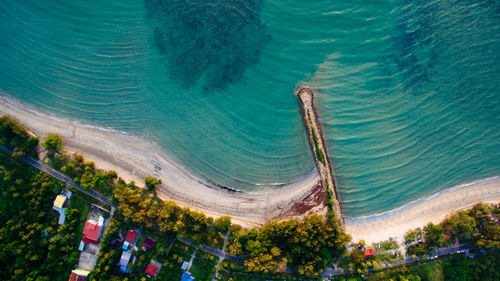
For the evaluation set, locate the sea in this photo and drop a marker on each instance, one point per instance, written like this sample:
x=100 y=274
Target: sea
x=408 y=91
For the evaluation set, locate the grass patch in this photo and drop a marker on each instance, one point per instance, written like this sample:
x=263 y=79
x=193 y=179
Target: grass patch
x=171 y=269
x=427 y=270
x=203 y=266
x=77 y=202
x=431 y=271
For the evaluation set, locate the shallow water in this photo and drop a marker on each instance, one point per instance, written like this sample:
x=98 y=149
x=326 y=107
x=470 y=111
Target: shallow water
x=407 y=91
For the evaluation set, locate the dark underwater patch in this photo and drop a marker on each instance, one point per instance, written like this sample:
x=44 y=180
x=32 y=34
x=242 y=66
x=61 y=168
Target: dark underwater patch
x=213 y=40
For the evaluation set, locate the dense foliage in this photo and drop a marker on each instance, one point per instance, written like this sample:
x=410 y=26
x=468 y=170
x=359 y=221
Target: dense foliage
x=141 y=207
x=306 y=245
x=32 y=246
x=476 y=227
x=52 y=144
x=16 y=136
x=81 y=171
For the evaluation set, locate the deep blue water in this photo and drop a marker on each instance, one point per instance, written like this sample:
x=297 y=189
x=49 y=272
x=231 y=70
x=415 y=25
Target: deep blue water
x=407 y=91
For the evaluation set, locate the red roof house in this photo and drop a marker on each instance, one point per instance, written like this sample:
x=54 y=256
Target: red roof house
x=369 y=253
x=151 y=270
x=91 y=233
x=130 y=237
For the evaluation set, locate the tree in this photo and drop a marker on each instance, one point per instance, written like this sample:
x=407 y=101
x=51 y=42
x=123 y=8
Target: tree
x=434 y=235
x=52 y=143
x=17 y=136
x=357 y=259
x=151 y=182
x=222 y=224
x=461 y=226
x=412 y=235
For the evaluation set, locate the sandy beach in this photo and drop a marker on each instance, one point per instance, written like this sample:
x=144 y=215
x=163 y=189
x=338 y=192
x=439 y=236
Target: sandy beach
x=133 y=158
x=433 y=208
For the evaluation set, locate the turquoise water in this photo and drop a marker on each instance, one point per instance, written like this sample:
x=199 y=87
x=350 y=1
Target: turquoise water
x=407 y=91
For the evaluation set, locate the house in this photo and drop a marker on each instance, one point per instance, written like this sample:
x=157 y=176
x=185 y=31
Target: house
x=59 y=207
x=78 y=275
x=92 y=232
x=129 y=239
x=187 y=277
x=59 y=202
x=369 y=252
x=153 y=268
x=185 y=265
x=148 y=244
x=124 y=261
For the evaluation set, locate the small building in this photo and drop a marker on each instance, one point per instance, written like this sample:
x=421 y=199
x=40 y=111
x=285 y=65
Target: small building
x=129 y=239
x=187 y=277
x=81 y=247
x=369 y=252
x=92 y=232
x=185 y=265
x=148 y=244
x=153 y=268
x=78 y=275
x=124 y=261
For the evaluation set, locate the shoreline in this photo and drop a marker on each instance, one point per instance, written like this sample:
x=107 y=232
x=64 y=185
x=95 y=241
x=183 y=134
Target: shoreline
x=133 y=158
x=431 y=208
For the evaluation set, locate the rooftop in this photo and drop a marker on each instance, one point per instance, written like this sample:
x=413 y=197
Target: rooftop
x=130 y=237
x=187 y=277
x=148 y=243
x=78 y=275
x=151 y=270
x=59 y=201
x=91 y=232
x=369 y=252
x=125 y=259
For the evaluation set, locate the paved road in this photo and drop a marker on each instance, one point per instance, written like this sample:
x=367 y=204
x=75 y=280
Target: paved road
x=58 y=175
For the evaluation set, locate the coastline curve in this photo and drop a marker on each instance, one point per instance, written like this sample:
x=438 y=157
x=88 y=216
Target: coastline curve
x=134 y=158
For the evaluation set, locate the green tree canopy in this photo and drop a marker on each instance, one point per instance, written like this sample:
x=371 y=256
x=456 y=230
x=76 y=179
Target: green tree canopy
x=52 y=143
x=151 y=182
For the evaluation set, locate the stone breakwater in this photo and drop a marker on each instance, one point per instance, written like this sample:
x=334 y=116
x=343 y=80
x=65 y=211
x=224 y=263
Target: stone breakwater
x=306 y=101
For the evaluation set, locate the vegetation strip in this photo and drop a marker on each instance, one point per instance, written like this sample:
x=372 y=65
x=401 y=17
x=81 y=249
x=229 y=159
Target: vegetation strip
x=305 y=98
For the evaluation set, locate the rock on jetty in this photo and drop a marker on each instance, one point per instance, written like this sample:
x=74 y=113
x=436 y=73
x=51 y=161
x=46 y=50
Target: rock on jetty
x=305 y=97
